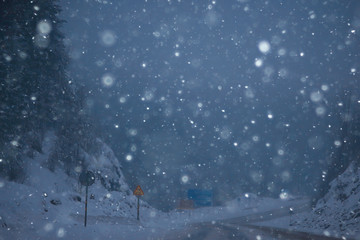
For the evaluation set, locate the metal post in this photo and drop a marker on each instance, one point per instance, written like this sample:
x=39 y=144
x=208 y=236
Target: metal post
x=138 y=208
x=86 y=197
x=291 y=213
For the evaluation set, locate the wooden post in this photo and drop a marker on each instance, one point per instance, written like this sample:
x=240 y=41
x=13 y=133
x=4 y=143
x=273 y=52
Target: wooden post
x=86 y=197
x=138 y=208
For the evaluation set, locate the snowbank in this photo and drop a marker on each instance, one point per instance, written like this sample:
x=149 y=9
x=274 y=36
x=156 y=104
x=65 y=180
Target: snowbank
x=50 y=205
x=338 y=212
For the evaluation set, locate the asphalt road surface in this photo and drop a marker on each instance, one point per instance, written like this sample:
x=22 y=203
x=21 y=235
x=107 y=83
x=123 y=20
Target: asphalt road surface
x=243 y=228
x=225 y=231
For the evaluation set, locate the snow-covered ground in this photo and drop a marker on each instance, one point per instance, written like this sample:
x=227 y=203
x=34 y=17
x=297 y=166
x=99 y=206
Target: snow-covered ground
x=249 y=206
x=336 y=214
x=50 y=205
x=39 y=212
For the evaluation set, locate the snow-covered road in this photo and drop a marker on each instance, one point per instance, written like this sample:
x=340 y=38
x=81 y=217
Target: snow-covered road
x=237 y=229
x=246 y=227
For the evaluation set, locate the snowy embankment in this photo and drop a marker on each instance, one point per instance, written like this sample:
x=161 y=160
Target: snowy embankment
x=50 y=205
x=338 y=212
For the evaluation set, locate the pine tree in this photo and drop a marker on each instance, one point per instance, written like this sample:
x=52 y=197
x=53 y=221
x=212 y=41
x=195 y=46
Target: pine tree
x=35 y=91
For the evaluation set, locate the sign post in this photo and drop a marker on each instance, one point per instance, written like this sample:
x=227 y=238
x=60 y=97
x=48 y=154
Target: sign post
x=291 y=212
x=138 y=192
x=87 y=179
x=138 y=208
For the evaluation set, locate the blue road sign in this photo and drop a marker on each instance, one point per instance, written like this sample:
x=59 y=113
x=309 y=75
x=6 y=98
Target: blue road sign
x=201 y=197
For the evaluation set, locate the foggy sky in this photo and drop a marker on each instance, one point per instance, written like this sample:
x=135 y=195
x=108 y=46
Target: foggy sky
x=234 y=96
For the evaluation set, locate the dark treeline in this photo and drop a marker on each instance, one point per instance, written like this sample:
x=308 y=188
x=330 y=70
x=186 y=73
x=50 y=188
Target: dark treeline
x=36 y=94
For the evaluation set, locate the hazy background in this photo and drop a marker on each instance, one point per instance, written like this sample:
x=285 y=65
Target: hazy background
x=234 y=96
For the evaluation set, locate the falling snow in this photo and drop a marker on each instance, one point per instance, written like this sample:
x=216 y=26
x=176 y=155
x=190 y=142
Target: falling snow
x=248 y=100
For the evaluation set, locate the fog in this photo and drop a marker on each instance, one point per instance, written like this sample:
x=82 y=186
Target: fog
x=230 y=96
